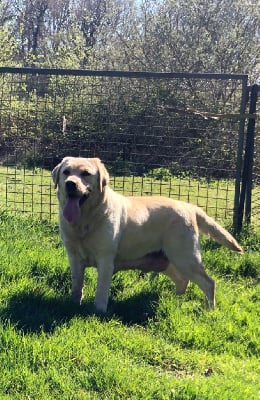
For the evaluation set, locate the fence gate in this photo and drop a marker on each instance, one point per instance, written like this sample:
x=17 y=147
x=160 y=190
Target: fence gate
x=187 y=136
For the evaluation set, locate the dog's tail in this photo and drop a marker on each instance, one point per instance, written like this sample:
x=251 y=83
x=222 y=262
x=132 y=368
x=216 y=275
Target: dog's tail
x=208 y=226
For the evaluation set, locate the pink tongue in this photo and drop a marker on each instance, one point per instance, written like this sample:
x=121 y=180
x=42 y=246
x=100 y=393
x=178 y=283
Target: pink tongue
x=71 y=210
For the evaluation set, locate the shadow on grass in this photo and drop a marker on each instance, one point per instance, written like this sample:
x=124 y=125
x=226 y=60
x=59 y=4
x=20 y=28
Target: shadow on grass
x=33 y=313
x=136 y=309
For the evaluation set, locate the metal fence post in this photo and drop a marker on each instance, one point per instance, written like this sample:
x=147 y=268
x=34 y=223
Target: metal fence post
x=246 y=186
x=251 y=139
x=244 y=99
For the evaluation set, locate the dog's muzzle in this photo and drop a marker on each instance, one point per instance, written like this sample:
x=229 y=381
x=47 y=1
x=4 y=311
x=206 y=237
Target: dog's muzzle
x=72 y=191
x=71 y=188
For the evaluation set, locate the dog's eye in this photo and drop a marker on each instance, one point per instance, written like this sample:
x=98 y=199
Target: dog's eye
x=85 y=173
x=66 y=172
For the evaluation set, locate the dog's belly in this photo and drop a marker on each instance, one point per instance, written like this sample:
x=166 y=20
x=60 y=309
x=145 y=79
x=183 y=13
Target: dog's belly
x=151 y=262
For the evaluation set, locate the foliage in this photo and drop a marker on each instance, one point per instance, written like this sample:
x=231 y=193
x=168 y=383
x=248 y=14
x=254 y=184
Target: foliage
x=150 y=345
x=198 y=36
x=8 y=47
x=165 y=35
x=166 y=174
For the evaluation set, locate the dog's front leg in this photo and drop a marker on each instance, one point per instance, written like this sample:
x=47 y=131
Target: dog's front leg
x=77 y=276
x=105 y=271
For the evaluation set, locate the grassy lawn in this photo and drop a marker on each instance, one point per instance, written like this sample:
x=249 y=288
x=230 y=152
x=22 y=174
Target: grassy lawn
x=151 y=344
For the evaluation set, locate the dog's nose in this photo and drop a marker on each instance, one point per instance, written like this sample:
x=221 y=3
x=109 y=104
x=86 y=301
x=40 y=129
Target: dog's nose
x=71 y=187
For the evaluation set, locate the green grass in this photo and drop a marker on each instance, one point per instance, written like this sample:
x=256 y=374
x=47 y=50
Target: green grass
x=151 y=345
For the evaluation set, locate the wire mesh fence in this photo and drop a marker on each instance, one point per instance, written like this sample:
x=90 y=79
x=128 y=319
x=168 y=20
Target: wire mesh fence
x=176 y=135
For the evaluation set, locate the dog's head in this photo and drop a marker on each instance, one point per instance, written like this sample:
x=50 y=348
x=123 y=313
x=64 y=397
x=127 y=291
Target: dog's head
x=77 y=180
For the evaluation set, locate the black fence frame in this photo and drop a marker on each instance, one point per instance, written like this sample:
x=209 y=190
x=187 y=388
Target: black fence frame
x=244 y=200
x=245 y=145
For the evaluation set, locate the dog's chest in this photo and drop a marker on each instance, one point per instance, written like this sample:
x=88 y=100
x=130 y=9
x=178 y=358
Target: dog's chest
x=81 y=233
x=86 y=242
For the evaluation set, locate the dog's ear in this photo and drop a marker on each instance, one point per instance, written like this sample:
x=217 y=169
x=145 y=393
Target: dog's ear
x=56 y=174
x=103 y=174
x=56 y=171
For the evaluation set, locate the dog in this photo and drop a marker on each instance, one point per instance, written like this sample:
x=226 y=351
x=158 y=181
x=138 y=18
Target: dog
x=112 y=232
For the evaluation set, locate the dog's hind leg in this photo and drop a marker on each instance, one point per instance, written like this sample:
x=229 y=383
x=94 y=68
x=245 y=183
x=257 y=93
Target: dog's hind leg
x=180 y=281
x=184 y=253
x=192 y=269
x=206 y=283
x=198 y=275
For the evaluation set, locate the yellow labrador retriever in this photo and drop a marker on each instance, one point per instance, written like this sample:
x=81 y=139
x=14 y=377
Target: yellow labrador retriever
x=111 y=232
